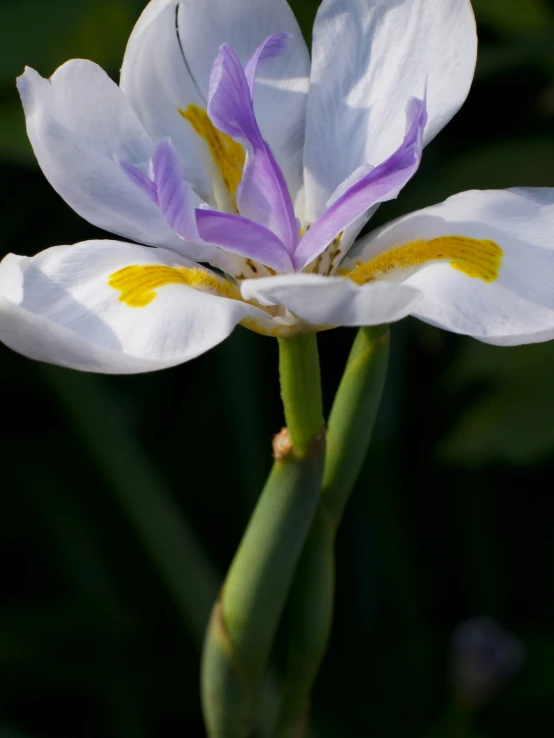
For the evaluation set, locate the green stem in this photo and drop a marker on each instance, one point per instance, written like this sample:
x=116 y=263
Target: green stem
x=353 y=416
x=245 y=618
x=349 y=434
x=301 y=388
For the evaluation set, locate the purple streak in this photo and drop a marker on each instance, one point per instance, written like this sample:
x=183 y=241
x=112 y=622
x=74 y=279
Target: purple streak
x=262 y=195
x=381 y=184
x=244 y=237
x=176 y=199
x=272 y=47
x=141 y=180
x=200 y=225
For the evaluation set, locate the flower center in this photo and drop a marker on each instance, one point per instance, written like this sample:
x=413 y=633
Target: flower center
x=476 y=258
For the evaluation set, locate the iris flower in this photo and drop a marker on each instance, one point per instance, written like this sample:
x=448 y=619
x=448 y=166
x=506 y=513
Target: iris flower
x=241 y=172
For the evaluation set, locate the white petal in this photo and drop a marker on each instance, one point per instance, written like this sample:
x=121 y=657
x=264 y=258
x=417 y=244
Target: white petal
x=58 y=307
x=333 y=301
x=369 y=58
x=81 y=125
x=517 y=307
x=168 y=63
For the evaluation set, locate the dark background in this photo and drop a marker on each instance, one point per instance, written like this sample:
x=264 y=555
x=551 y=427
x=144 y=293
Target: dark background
x=124 y=498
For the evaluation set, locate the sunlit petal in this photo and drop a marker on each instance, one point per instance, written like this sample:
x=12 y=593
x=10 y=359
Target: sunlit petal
x=66 y=306
x=496 y=282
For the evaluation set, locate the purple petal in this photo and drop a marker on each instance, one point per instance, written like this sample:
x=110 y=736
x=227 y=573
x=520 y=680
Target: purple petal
x=262 y=195
x=140 y=179
x=244 y=237
x=381 y=184
x=175 y=197
x=272 y=47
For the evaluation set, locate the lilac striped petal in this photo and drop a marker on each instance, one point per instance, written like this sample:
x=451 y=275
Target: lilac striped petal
x=176 y=199
x=381 y=184
x=140 y=179
x=357 y=175
x=244 y=237
x=262 y=195
x=273 y=46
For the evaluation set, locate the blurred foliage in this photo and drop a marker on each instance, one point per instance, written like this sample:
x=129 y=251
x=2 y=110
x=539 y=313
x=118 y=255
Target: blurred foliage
x=511 y=18
x=511 y=421
x=123 y=498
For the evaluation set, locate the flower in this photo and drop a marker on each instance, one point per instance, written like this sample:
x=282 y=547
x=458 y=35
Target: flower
x=248 y=171
x=483 y=658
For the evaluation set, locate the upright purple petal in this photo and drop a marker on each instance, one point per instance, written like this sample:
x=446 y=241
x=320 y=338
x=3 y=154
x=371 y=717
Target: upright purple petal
x=244 y=237
x=272 y=47
x=141 y=180
x=379 y=185
x=262 y=195
x=176 y=199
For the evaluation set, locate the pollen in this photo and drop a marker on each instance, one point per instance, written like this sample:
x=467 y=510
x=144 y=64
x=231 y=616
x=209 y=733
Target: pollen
x=139 y=284
x=228 y=155
x=480 y=259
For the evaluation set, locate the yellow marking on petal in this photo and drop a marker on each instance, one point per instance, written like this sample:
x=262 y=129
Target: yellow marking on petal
x=228 y=155
x=139 y=284
x=480 y=259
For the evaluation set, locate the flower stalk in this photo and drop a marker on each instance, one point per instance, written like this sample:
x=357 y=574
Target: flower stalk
x=301 y=388
x=349 y=434
x=245 y=618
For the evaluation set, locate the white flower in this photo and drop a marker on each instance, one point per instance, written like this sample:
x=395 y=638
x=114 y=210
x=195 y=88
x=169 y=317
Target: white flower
x=251 y=171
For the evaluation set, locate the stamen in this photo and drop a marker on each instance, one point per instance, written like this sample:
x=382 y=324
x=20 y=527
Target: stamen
x=138 y=284
x=480 y=259
x=228 y=155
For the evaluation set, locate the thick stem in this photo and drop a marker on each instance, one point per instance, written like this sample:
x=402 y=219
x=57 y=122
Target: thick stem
x=301 y=388
x=246 y=616
x=349 y=434
x=311 y=599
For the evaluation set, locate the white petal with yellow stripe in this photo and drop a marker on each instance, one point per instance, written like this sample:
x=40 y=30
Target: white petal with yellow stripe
x=113 y=307
x=167 y=67
x=483 y=261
